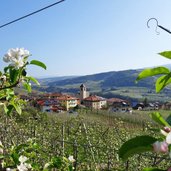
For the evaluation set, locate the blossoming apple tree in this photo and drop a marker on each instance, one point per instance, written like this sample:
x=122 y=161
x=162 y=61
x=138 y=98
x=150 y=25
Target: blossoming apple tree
x=15 y=75
x=21 y=157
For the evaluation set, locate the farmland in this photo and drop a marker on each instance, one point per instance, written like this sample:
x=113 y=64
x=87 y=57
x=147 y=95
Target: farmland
x=92 y=137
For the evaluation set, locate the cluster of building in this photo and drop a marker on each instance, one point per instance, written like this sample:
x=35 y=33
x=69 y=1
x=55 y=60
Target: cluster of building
x=58 y=102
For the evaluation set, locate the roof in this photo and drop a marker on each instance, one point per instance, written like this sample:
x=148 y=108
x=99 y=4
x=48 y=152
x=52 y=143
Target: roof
x=115 y=100
x=67 y=97
x=52 y=95
x=47 y=102
x=94 y=98
x=57 y=108
x=40 y=102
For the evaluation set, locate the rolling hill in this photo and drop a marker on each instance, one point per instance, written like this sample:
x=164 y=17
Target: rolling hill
x=104 y=80
x=108 y=84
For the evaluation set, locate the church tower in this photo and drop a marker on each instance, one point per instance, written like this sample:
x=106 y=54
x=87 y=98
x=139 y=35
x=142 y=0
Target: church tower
x=83 y=92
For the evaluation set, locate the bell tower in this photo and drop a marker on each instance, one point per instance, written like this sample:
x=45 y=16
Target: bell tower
x=83 y=92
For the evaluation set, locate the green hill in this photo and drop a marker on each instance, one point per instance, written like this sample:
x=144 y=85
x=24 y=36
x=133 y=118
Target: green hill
x=109 y=84
x=107 y=80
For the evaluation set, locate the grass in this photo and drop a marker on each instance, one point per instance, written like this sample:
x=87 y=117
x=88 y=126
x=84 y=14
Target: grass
x=140 y=93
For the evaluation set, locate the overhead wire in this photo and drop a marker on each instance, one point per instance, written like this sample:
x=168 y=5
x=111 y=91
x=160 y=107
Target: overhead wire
x=25 y=16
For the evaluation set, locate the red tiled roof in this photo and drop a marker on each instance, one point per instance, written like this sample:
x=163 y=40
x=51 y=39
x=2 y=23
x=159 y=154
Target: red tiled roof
x=48 y=102
x=94 y=98
x=40 y=102
x=67 y=97
x=57 y=108
x=114 y=100
x=52 y=95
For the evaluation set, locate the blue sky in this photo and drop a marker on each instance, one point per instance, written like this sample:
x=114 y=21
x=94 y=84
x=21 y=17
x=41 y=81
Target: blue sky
x=80 y=37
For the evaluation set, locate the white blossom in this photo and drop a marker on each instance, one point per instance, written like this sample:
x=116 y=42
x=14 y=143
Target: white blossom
x=23 y=52
x=163 y=132
x=16 y=57
x=9 y=169
x=46 y=165
x=71 y=159
x=23 y=166
x=23 y=159
x=168 y=138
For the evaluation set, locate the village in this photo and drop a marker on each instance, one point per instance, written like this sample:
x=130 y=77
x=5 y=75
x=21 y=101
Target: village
x=61 y=102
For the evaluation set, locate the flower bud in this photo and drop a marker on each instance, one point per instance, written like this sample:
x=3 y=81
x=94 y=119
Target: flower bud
x=160 y=147
x=167 y=129
x=169 y=169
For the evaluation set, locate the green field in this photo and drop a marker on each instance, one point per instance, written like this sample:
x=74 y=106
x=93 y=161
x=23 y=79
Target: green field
x=92 y=137
x=139 y=93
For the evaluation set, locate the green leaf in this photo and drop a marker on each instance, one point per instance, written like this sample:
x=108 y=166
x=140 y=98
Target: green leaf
x=20 y=148
x=13 y=75
x=34 y=80
x=152 y=72
x=38 y=63
x=70 y=168
x=9 y=93
x=2 y=94
x=156 y=116
x=136 y=145
x=157 y=130
x=153 y=169
x=6 y=69
x=35 y=166
x=8 y=109
x=1 y=156
x=27 y=86
x=162 y=82
x=17 y=108
x=168 y=120
x=169 y=147
x=56 y=162
x=166 y=54
x=15 y=158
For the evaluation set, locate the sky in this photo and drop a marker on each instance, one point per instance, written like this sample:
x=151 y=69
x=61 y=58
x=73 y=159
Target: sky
x=82 y=37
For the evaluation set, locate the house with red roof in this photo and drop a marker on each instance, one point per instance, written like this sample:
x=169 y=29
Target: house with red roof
x=68 y=101
x=49 y=105
x=118 y=105
x=94 y=102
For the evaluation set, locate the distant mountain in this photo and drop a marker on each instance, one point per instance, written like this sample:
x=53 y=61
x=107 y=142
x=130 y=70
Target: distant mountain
x=106 y=80
x=53 y=79
x=108 y=84
x=103 y=80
